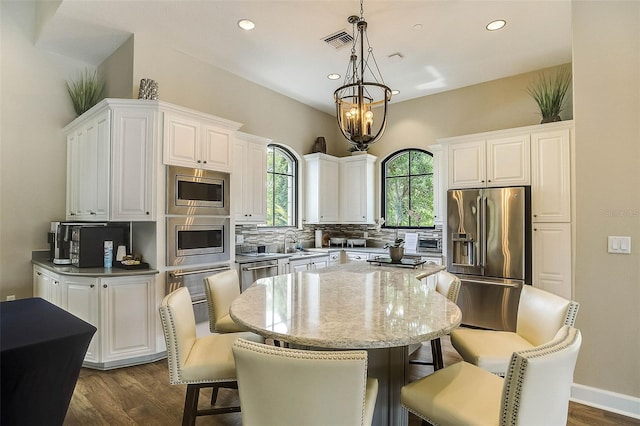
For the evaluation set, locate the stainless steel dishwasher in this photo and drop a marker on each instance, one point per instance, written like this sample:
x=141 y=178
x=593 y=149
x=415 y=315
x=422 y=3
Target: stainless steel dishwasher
x=252 y=271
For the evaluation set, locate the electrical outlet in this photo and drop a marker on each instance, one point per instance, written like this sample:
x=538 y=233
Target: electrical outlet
x=366 y=234
x=11 y=297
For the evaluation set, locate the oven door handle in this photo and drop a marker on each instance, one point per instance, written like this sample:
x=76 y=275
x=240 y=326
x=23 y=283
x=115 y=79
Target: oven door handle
x=199 y=271
x=255 y=268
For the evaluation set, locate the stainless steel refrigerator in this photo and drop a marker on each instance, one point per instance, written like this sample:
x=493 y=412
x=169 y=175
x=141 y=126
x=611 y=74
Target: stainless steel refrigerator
x=489 y=248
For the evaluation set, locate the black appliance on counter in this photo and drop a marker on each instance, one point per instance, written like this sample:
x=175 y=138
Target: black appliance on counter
x=87 y=243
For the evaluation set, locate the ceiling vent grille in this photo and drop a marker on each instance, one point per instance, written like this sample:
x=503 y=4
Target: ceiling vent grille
x=339 y=39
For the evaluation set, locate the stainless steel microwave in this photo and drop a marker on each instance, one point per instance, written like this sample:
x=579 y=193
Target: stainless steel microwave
x=197 y=240
x=197 y=192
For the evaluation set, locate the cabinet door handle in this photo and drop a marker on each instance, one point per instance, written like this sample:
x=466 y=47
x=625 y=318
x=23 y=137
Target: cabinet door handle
x=147 y=213
x=535 y=215
x=205 y=161
x=535 y=229
x=39 y=273
x=92 y=213
x=104 y=286
x=199 y=161
x=92 y=286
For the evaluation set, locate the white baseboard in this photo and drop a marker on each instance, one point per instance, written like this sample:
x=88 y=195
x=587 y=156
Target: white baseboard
x=606 y=400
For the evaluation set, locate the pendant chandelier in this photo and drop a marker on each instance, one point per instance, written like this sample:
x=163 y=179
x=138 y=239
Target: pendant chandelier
x=361 y=105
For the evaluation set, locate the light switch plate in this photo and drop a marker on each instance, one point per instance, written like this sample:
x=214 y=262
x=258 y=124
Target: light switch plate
x=619 y=245
x=239 y=239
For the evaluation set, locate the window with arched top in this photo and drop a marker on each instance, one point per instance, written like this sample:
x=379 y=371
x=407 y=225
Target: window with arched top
x=407 y=189
x=282 y=192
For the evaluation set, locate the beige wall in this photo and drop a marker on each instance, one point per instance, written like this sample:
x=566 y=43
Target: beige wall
x=117 y=70
x=499 y=104
x=184 y=80
x=607 y=150
x=35 y=107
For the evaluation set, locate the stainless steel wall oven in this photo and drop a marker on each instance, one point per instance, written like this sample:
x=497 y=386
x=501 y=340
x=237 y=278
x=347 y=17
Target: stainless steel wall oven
x=197 y=240
x=197 y=192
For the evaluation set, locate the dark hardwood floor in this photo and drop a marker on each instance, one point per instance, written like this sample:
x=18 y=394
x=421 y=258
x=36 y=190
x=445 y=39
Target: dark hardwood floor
x=142 y=395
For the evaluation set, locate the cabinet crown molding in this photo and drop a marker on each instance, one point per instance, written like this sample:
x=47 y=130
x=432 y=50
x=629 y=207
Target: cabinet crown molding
x=507 y=132
x=159 y=106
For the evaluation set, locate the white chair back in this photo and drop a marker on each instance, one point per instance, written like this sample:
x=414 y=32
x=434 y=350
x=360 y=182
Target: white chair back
x=221 y=289
x=538 y=383
x=280 y=386
x=448 y=285
x=541 y=314
x=179 y=326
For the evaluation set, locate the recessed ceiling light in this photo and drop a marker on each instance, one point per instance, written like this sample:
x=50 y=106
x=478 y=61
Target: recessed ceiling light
x=395 y=92
x=496 y=25
x=246 y=24
x=417 y=27
x=333 y=76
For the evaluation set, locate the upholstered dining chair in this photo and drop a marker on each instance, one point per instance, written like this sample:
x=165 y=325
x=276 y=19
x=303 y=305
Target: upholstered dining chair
x=448 y=285
x=540 y=315
x=290 y=387
x=535 y=391
x=222 y=289
x=198 y=362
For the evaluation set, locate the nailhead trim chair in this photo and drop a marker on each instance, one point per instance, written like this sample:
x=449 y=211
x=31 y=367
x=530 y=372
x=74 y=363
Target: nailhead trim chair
x=535 y=391
x=448 y=285
x=222 y=289
x=198 y=362
x=291 y=387
x=540 y=315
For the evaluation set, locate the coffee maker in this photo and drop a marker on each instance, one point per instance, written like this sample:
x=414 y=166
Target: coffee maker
x=59 y=238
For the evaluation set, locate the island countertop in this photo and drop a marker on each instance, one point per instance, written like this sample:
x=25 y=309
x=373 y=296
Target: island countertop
x=349 y=306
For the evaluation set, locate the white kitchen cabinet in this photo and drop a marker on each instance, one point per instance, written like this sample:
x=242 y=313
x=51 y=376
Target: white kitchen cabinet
x=308 y=263
x=467 y=166
x=322 y=187
x=127 y=322
x=122 y=308
x=132 y=153
x=489 y=161
x=48 y=285
x=552 y=258
x=356 y=256
x=82 y=301
x=335 y=258
x=249 y=178
x=551 y=176
x=357 y=187
x=111 y=162
x=194 y=140
x=432 y=260
x=88 y=162
x=438 y=191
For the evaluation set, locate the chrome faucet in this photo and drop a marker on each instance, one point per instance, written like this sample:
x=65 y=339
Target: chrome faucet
x=293 y=239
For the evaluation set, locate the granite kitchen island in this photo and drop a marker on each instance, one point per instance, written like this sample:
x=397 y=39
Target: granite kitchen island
x=353 y=306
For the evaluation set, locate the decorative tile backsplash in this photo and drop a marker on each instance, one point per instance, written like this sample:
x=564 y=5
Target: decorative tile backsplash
x=273 y=238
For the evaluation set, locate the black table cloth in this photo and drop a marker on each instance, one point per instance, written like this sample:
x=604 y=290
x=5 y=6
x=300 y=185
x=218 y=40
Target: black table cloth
x=41 y=352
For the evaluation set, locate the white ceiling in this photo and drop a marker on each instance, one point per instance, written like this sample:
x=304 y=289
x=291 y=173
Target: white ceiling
x=286 y=51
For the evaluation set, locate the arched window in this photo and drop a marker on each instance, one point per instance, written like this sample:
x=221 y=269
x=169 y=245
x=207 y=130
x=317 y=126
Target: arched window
x=282 y=193
x=407 y=189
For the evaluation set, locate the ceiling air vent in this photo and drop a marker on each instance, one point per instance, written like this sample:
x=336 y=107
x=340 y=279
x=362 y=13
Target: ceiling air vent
x=339 y=39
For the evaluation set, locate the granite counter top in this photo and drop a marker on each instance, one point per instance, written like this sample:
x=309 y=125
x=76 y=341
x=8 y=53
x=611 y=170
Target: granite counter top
x=41 y=258
x=348 y=306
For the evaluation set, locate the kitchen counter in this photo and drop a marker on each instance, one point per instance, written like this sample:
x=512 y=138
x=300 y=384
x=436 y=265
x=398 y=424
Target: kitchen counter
x=41 y=258
x=314 y=252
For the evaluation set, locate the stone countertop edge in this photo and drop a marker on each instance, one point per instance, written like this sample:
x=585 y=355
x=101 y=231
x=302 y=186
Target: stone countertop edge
x=41 y=258
x=240 y=258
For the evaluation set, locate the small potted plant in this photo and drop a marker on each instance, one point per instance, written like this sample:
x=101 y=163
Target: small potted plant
x=396 y=248
x=85 y=91
x=549 y=93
